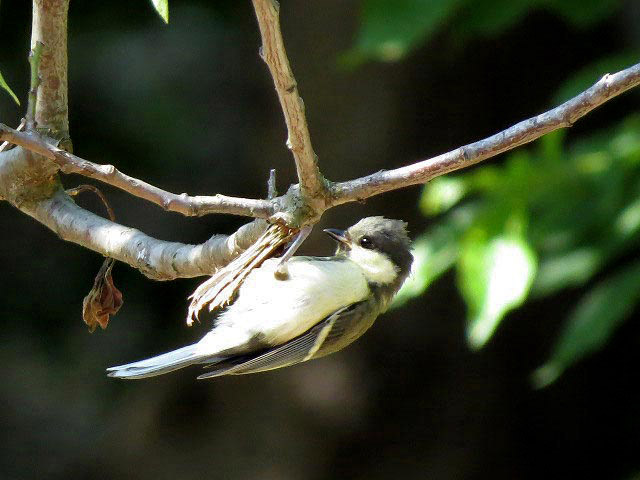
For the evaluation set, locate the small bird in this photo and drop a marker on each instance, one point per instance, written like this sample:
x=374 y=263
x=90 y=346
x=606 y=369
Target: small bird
x=321 y=306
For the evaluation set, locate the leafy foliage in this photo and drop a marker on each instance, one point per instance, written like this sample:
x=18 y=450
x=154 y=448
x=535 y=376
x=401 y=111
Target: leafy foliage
x=391 y=29
x=5 y=87
x=162 y=7
x=550 y=218
x=495 y=274
x=592 y=322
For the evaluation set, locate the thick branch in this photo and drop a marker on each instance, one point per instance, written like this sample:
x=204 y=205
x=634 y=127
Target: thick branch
x=312 y=185
x=157 y=259
x=183 y=203
x=25 y=183
x=526 y=131
x=49 y=26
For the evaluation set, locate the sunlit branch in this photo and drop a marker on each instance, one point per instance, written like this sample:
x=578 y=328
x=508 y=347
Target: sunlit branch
x=182 y=203
x=312 y=185
x=157 y=259
x=526 y=131
x=49 y=27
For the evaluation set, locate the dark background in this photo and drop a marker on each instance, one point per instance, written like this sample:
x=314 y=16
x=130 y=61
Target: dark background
x=191 y=107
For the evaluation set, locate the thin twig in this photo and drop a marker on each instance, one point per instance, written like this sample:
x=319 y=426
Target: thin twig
x=272 y=190
x=526 y=131
x=312 y=184
x=183 y=203
x=5 y=145
x=72 y=192
x=35 y=55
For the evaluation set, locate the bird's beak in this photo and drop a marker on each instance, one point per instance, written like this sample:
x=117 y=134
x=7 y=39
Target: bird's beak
x=337 y=235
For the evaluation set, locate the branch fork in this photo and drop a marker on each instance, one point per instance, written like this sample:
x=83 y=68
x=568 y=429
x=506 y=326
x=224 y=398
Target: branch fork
x=313 y=188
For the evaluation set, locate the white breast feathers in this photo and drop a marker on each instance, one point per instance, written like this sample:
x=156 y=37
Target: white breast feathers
x=280 y=310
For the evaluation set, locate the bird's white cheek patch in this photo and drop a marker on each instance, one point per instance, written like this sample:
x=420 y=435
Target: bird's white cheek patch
x=376 y=266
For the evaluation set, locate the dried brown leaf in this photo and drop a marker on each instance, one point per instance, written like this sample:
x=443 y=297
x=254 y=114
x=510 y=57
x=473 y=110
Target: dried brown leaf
x=103 y=300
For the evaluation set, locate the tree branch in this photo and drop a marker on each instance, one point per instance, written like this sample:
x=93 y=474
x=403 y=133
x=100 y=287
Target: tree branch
x=526 y=131
x=25 y=182
x=156 y=259
x=183 y=203
x=312 y=183
x=30 y=181
x=49 y=27
x=28 y=178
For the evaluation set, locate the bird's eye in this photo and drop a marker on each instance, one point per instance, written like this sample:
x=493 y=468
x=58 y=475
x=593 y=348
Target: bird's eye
x=366 y=242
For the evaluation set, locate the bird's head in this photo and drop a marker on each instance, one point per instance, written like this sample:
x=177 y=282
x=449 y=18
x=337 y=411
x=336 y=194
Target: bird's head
x=380 y=246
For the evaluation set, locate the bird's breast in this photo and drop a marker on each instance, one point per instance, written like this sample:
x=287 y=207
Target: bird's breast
x=279 y=310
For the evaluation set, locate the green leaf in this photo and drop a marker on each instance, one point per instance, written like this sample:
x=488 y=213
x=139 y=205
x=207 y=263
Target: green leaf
x=590 y=212
x=162 y=7
x=6 y=87
x=580 y=205
x=571 y=268
x=591 y=324
x=442 y=193
x=434 y=253
x=494 y=16
x=391 y=28
x=591 y=73
x=584 y=13
x=495 y=274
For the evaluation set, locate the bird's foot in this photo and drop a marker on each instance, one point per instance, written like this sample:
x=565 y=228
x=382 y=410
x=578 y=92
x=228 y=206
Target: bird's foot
x=282 y=273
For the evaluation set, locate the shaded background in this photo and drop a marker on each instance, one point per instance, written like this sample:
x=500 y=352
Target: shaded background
x=191 y=107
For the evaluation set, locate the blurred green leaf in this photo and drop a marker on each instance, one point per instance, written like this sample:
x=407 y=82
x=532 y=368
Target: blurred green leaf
x=435 y=252
x=548 y=218
x=390 y=29
x=442 y=193
x=590 y=74
x=162 y=7
x=592 y=322
x=585 y=201
x=584 y=13
x=571 y=268
x=628 y=220
x=591 y=213
x=6 y=87
x=495 y=273
x=492 y=17
x=552 y=146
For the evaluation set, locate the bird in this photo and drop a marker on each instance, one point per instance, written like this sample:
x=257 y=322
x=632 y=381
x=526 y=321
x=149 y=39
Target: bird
x=322 y=305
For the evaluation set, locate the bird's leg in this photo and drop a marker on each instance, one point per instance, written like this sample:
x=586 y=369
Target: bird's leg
x=281 y=272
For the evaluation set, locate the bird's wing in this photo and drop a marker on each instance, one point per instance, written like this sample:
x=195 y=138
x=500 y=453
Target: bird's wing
x=302 y=348
x=220 y=290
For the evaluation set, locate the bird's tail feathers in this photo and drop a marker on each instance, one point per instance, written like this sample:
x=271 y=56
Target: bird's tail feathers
x=167 y=362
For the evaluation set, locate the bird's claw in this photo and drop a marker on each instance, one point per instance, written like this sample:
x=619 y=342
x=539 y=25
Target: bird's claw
x=282 y=272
